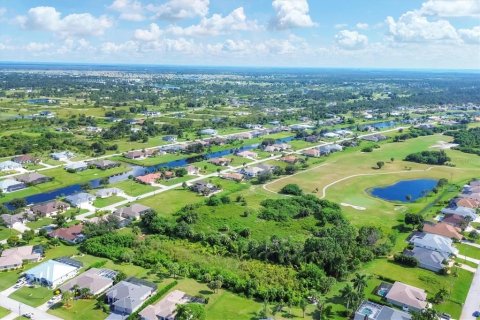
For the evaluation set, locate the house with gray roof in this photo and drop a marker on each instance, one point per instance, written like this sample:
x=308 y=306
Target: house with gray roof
x=62 y=156
x=434 y=242
x=108 y=192
x=104 y=164
x=76 y=166
x=81 y=199
x=461 y=211
x=133 y=212
x=10 y=185
x=10 y=220
x=49 y=208
x=373 y=311
x=32 y=178
x=428 y=259
x=94 y=279
x=128 y=295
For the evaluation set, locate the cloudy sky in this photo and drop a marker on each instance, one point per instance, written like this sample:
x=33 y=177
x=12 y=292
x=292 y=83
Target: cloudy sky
x=307 y=33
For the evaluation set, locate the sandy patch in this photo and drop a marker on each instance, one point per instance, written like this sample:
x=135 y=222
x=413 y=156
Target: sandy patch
x=444 y=145
x=352 y=206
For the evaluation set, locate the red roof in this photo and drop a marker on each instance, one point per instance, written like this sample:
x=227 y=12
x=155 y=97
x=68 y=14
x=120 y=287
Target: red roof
x=149 y=178
x=69 y=234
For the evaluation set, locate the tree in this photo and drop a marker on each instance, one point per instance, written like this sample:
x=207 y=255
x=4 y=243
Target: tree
x=215 y=285
x=60 y=220
x=28 y=235
x=303 y=305
x=190 y=311
x=67 y=298
x=440 y=296
x=359 y=282
x=13 y=241
x=413 y=219
x=427 y=314
x=119 y=277
x=380 y=164
x=292 y=189
x=18 y=203
x=348 y=295
x=173 y=268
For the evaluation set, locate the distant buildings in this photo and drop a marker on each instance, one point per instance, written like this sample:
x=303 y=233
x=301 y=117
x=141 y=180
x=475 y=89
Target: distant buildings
x=10 y=166
x=133 y=212
x=76 y=166
x=104 y=164
x=32 y=178
x=108 y=192
x=208 y=131
x=49 y=208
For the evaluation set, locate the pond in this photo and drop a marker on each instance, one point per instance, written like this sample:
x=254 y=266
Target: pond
x=405 y=190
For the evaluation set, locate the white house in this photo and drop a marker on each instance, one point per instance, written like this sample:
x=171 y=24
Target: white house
x=9 y=165
x=51 y=273
x=9 y=185
x=81 y=200
x=461 y=211
x=434 y=242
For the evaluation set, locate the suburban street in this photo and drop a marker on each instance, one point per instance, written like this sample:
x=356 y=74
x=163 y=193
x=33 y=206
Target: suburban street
x=472 y=303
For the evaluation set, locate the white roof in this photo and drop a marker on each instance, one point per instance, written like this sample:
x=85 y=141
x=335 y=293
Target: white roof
x=9 y=165
x=51 y=270
x=8 y=182
x=435 y=242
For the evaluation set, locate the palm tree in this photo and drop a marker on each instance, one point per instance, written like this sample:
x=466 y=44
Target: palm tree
x=359 y=282
x=349 y=295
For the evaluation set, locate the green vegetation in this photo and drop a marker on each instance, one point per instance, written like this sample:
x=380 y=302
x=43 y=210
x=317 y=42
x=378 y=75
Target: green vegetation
x=32 y=296
x=103 y=202
x=429 y=157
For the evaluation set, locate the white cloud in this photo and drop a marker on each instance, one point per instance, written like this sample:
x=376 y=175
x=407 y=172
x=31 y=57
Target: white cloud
x=180 y=9
x=38 y=46
x=340 y=26
x=212 y=26
x=362 y=26
x=413 y=27
x=115 y=48
x=291 y=14
x=151 y=34
x=130 y=10
x=72 y=25
x=470 y=35
x=451 y=8
x=2 y=11
x=351 y=40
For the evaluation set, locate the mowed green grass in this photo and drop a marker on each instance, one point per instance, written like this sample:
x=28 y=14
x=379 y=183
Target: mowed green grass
x=469 y=251
x=103 y=202
x=32 y=296
x=347 y=176
x=133 y=188
x=3 y=312
x=457 y=286
x=79 y=310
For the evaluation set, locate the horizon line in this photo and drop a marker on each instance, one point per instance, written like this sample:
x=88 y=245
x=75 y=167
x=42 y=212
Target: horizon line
x=470 y=70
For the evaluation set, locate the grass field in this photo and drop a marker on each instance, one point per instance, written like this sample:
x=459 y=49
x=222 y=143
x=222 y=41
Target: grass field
x=39 y=223
x=79 y=310
x=469 y=251
x=32 y=296
x=133 y=188
x=7 y=232
x=3 y=312
x=103 y=202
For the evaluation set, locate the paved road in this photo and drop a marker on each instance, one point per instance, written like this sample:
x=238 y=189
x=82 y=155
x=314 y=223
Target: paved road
x=472 y=303
x=19 y=308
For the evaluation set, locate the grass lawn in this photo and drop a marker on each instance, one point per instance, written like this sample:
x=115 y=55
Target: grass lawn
x=103 y=202
x=421 y=278
x=80 y=309
x=39 y=223
x=337 y=175
x=32 y=296
x=469 y=251
x=7 y=232
x=166 y=203
x=8 y=278
x=133 y=188
x=3 y=312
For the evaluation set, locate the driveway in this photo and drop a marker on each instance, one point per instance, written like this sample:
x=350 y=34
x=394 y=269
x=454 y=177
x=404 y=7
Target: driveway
x=19 y=308
x=472 y=303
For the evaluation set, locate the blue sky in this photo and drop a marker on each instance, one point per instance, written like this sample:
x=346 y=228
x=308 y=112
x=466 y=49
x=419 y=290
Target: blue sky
x=322 y=33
